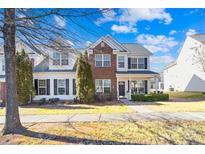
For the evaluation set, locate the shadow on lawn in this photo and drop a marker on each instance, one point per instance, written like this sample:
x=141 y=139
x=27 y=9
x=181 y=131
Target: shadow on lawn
x=70 y=139
x=56 y=107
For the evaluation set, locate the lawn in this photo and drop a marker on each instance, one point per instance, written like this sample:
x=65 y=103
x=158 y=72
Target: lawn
x=71 y=109
x=140 y=132
x=188 y=95
x=177 y=106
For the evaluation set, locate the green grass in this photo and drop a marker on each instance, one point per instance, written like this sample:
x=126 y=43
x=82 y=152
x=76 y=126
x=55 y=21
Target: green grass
x=186 y=95
x=178 y=106
x=140 y=132
x=73 y=109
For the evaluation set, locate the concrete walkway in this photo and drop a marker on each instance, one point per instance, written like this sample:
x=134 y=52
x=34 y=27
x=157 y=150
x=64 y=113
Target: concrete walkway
x=138 y=108
x=196 y=116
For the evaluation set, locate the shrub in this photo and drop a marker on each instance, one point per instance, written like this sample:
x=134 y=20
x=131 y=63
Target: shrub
x=53 y=100
x=101 y=97
x=42 y=101
x=150 y=97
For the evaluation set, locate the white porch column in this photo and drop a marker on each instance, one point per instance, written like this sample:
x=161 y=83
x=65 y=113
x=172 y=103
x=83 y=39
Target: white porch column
x=129 y=88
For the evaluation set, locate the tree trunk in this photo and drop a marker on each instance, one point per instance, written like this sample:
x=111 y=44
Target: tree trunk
x=12 y=120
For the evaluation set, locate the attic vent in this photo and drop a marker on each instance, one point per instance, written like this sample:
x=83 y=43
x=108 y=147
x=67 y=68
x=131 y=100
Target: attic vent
x=102 y=44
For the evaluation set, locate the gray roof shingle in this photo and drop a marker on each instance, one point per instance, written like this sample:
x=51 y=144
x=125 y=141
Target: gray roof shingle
x=137 y=49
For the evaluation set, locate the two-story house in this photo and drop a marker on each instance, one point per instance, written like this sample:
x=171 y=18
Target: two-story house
x=120 y=68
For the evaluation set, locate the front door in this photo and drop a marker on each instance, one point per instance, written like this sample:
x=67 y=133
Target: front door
x=121 y=85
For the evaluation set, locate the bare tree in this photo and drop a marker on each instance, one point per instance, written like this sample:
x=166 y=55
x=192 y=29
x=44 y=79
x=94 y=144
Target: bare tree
x=37 y=30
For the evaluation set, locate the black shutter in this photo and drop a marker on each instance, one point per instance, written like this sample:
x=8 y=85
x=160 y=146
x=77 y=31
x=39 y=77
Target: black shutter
x=36 y=86
x=55 y=86
x=67 y=86
x=145 y=82
x=48 y=86
x=129 y=63
x=145 y=61
x=74 y=87
x=128 y=85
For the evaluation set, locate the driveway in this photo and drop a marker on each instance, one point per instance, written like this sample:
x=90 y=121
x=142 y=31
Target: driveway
x=196 y=116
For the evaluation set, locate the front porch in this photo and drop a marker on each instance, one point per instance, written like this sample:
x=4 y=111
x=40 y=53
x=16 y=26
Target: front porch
x=128 y=84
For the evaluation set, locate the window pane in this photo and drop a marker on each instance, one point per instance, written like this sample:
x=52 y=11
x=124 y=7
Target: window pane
x=121 y=61
x=98 y=60
x=64 y=59
x=98 y=63
x=98 y=82
x=141 y=63
x=56 y=58
x=106 y=90
x=42 y=91
x=61 y=83
x=106 y=60
x=107 y=83
x=61 y=91
x=42 y=83
x=134 y=63
x=98 y=57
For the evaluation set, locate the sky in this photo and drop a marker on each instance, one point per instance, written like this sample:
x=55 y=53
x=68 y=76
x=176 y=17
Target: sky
x=162 y=31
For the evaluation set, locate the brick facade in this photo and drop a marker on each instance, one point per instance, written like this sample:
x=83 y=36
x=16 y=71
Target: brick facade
x=105 y=72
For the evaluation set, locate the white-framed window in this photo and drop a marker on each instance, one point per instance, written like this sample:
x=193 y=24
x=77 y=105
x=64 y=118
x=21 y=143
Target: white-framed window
x=61 y=86
x=56 y=58
x=60 y=58
x=121 y=61
x=133 y=63
x=102 y=60
x=103 y=85
x=42 y=87
x=138 y=87
x=64 y=58
x=141 y=63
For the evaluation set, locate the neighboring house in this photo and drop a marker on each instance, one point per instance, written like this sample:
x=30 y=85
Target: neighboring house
x=118 y=68
x=157 y=84
x=185 y=73
x=35 y=58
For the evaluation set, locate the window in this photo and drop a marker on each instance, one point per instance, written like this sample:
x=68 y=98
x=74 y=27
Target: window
x=103 y=86
x=133 y=63
x=98 y=60
x=121 y=61
x=138 y=87
x=56 y=58
x=60 y=58
x=102 y=60
x=42 y=87
x=61 y=87
x=141 y=63
x=64 y=59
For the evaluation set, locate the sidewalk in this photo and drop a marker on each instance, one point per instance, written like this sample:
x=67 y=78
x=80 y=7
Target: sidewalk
x=196 y=116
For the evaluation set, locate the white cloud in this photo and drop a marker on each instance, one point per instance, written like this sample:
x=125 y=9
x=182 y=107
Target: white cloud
x=60 y=21
x=123 y=29
x=132 y=16
x=108 y=15
x=158 y=43
x=161 y=59
x=88 y=43
x=191 y=32
x=172 y=32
